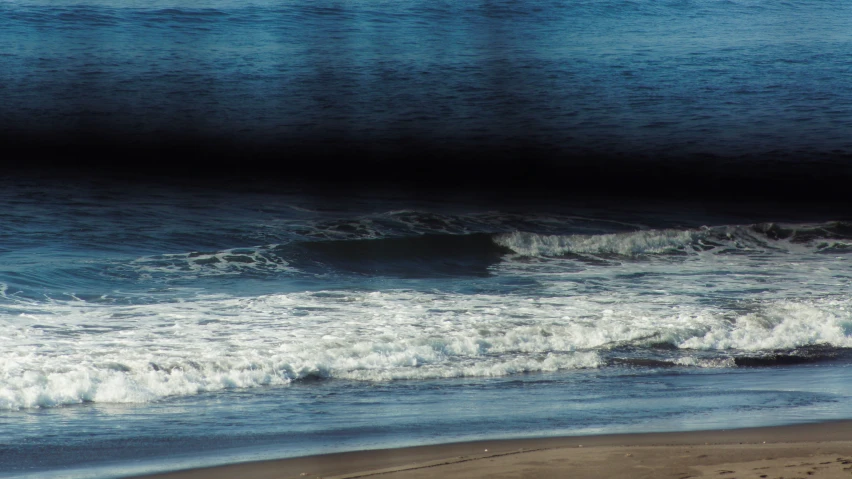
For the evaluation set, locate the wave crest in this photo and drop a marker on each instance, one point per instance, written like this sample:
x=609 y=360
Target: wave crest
x=621 y=244
x=834 y=237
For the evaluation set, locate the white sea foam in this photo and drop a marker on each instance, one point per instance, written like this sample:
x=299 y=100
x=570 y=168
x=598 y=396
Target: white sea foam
x=71 y=352
x=624 y=244
x=692 y=361
x=781 y=325
x=793 y=238
x=65 y=352
x=233 y=261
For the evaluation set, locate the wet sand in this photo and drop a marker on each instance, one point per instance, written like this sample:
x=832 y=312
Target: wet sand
x=821 y=450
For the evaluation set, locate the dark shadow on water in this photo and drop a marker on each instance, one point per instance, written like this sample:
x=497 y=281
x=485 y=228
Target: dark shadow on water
x=494 y=168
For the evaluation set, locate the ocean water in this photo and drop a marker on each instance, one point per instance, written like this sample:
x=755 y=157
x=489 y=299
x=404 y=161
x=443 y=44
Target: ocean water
x=152 y=328
x=149 y=325
x=674 y=78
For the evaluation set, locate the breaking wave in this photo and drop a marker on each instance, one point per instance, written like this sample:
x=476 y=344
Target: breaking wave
x=473 y=254
x=833 y=237
x=68 y=352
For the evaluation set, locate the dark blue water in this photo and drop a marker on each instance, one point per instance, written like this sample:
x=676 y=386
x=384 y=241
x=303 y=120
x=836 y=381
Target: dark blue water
x=193 y=319
x=673 y=78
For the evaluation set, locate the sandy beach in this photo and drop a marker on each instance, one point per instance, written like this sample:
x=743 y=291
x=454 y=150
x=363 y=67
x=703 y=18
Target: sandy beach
x=801 y=451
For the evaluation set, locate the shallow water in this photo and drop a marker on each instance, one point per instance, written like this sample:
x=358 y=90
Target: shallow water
x=103 y=440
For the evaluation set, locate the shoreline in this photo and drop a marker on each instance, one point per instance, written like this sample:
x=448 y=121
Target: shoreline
x=822 y=450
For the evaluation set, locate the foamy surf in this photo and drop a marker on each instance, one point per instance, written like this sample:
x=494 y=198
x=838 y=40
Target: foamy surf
x=530 y=302
x=623 y=244
x=68 y=352
x=828 y=237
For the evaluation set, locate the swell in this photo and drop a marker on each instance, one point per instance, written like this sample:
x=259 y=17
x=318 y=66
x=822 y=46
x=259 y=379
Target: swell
x=427 y=255
x=456 y=254
x=435 y=254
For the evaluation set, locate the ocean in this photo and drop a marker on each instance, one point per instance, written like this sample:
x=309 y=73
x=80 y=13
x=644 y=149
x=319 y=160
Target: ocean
x=636 y=79
x=149 y=328
x=677 y=258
